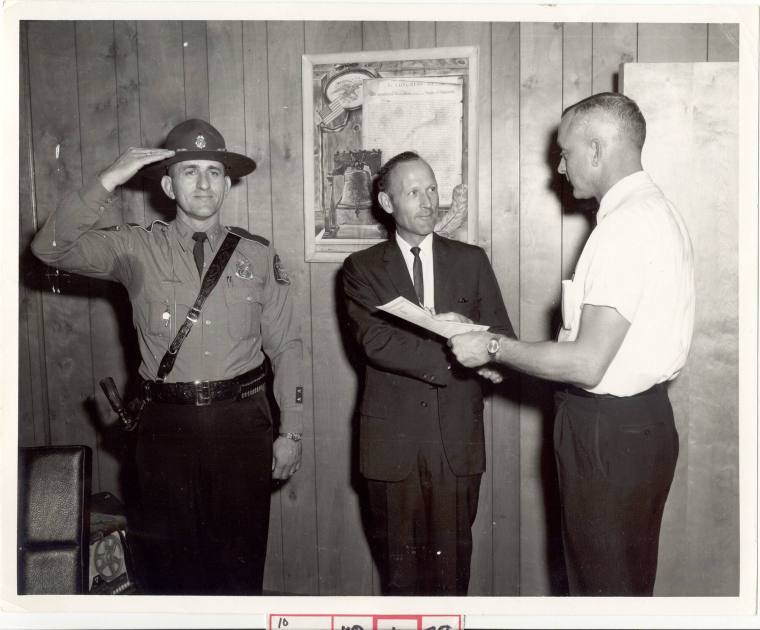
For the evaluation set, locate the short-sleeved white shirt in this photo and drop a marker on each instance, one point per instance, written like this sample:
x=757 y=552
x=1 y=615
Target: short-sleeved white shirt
x=638 y=260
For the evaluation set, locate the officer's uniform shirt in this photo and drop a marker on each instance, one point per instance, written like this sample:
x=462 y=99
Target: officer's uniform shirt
x=248 y=312
x=638 y=260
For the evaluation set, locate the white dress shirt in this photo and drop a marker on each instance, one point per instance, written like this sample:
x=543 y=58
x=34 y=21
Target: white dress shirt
x=426 y=256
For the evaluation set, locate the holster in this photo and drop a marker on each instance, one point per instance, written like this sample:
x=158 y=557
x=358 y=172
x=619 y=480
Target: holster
x=129 y=414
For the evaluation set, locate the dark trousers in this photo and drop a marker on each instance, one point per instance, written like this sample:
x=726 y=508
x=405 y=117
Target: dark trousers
x=421 y=527
x=204 y=476
x=616 y=458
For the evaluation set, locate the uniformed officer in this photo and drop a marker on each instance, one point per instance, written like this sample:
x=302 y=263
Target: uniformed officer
x=205 y=455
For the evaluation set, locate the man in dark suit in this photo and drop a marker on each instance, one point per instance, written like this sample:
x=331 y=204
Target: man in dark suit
x=421 y=437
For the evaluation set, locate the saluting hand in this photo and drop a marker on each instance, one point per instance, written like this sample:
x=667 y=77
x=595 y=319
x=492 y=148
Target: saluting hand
x=286 y=458
x=128 y=163
x=471 y=349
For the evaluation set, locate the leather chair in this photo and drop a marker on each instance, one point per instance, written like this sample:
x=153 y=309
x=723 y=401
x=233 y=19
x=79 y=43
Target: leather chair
x=53 y=519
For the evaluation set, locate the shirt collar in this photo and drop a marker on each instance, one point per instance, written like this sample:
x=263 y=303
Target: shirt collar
x=185 y=235
x=426 y=246
x=620 y=191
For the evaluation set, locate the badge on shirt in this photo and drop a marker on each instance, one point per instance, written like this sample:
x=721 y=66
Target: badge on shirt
x=279 y=273
x=244 y=269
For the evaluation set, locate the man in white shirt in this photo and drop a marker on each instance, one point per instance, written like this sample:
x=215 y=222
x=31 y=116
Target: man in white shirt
x=421 y=440
x=628 y=316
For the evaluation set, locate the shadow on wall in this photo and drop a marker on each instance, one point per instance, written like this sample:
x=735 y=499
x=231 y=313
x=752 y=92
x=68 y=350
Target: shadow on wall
x=37 y=277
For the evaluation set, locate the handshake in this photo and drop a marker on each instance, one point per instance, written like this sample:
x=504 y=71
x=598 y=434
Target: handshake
x=471 y=348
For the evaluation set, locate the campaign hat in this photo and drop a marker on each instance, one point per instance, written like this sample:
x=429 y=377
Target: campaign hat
x=195 y=139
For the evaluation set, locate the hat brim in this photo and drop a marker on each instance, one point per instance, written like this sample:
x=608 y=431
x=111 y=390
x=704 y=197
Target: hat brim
x=235 y=164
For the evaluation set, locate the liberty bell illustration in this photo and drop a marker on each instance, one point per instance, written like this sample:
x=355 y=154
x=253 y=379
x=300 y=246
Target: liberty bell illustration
x=357 y=188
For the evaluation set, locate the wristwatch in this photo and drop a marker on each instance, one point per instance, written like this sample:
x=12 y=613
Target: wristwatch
x=296 y=437
x=493 y=347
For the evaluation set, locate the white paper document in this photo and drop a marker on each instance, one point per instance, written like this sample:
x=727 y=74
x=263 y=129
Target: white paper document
x=403 y=308
x=422 y=114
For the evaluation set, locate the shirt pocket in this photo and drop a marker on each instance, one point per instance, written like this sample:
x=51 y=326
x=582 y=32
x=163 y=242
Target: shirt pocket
x=158 y=311
x=159 y=318
x=244 y=298
x=571 y=304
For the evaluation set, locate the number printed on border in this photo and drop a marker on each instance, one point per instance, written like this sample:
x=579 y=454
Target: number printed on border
x=364 y=622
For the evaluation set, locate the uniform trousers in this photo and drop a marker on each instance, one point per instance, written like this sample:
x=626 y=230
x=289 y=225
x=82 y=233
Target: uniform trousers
x=421 y=527
x=616 y=457
x=204 y=480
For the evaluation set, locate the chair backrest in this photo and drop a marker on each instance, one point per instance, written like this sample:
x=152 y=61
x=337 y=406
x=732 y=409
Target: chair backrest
x=53 y=519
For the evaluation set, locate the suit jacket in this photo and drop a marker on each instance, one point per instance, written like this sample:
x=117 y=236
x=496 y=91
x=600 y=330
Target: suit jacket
x=405 y=364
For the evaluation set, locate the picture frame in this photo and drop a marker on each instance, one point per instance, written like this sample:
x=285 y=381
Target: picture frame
x=360 y=109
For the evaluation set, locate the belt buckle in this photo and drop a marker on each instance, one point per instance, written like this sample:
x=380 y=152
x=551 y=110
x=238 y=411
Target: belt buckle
x=202 y=393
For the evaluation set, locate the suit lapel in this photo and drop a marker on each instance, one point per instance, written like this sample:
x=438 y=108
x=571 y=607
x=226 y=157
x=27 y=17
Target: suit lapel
x=397 y=270
x=443 y=270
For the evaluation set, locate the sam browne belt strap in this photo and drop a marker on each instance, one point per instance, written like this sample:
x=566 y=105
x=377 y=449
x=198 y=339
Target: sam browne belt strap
x=215 y=270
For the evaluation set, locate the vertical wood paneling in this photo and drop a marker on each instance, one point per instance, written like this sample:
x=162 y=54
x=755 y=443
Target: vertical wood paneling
x=227 y=106
x=722 y=42
x=421 y=34
x=162 y=98
x=613 y=44
x=34 y=428
x=344 y=559
x=576 y=85
x=385 y=35
x=672 y=42
x=128 y=112
x=479 y=34
x=259 y=183
x=504 y=456
x=256 y=75
x=297 y=497
x=100 y=147
x=58 y=170
x=345 y=562
x=540 y=269
x=195 y=61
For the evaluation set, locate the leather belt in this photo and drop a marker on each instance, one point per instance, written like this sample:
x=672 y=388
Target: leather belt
x=201 y=393
x=577 y=391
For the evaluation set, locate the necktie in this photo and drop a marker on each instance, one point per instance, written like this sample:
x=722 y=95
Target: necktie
x=419 y=285
x=199 y=238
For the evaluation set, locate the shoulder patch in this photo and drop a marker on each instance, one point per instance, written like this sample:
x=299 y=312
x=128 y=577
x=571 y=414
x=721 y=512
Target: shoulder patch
x=238 y=231
x=280 y=275
x=148 y=228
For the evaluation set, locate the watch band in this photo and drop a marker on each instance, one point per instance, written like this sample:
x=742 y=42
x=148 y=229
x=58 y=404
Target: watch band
x=296 y=437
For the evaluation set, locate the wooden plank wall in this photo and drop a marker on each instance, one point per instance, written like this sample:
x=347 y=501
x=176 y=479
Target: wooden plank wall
x=95 y=88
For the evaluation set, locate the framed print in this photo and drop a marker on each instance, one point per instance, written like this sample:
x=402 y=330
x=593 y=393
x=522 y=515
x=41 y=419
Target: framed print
x=359 y=110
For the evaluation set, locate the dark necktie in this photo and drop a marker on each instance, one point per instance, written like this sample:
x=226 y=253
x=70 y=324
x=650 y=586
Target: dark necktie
x=419 y=284
x=199 y=238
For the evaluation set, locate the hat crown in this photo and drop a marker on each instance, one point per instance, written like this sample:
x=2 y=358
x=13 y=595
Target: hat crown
x=196 y=139
x=195 y=135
